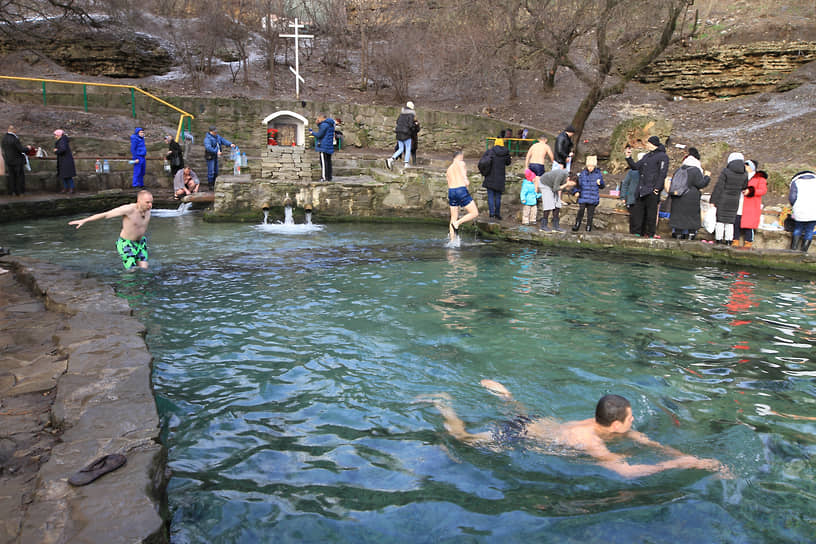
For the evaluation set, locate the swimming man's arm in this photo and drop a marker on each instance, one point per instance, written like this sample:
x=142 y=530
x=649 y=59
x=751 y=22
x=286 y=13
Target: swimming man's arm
x=618 y=464
x=110 y=214
x=646 y=441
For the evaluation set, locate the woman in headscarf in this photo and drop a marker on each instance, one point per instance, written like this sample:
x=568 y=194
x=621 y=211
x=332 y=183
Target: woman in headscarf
x=66 y=170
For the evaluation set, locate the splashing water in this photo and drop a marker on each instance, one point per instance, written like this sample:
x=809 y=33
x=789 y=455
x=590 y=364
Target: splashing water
x=184 y=208
x=287 y=216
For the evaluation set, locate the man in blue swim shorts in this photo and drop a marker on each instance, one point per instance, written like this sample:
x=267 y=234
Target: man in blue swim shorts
x=458 y=194
x=132 y=243
x=613 y=420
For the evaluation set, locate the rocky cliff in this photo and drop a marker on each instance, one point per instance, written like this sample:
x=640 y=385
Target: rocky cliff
x=730 y=70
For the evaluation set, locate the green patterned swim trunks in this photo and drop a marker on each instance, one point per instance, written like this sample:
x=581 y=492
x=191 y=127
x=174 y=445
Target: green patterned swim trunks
x=132 y=251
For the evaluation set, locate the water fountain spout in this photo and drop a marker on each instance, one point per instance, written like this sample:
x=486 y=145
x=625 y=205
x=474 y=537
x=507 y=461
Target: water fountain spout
x=265 y=210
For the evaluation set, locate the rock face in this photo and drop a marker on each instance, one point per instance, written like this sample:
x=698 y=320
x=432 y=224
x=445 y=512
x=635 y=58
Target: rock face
x=112 y=53
x=729 y=71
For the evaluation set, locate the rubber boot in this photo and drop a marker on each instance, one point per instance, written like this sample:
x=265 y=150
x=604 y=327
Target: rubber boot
x=748 y=245
x=557 y=226
x=805 y=246
x=795 y=242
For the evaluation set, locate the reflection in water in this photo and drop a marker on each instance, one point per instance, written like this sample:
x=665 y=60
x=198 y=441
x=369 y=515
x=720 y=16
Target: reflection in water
x=285 y=367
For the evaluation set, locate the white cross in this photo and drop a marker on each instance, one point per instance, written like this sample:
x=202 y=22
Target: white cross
x=296 y=69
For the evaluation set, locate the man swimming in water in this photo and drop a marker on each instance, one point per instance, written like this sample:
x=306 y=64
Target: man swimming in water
x=132 y=243
x=613 y=418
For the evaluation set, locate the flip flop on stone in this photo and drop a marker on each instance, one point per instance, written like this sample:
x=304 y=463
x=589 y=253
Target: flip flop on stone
x=101 y=466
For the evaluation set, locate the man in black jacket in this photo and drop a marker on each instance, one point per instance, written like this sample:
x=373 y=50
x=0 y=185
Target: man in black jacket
x=653 y=169
x=14 y=157
x=563 y=149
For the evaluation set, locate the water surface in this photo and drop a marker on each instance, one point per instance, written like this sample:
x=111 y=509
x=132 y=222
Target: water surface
x=286 y=369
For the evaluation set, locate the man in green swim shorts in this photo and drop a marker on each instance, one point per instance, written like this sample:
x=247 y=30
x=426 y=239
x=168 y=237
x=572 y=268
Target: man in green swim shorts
x=132 y=243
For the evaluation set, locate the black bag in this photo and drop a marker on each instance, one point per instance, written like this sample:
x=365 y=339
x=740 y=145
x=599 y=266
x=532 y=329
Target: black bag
x=485 y=163
x=209 y=155
x=788 y=224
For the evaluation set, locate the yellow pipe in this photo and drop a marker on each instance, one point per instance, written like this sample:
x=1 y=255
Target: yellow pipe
x=115 y=85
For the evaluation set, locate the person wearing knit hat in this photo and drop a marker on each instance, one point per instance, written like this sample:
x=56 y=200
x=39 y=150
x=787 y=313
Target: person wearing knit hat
x=726 y=197
x=653 y=169
x=685 y=206
x=404 y=131
x=213 y=142
x=588 y=191
x=66 y=169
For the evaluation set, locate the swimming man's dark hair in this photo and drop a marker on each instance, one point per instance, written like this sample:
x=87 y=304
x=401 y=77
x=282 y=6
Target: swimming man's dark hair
x=611 y=408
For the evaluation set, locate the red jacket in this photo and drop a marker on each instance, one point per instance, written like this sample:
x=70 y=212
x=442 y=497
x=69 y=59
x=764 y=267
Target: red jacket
x=752 y=204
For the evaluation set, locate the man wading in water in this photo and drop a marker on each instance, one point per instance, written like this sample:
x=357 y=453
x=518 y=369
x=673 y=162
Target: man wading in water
x=132 y=243
x=613 y=419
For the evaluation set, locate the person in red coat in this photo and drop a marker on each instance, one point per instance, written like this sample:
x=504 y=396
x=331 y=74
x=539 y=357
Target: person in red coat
x=750 y=207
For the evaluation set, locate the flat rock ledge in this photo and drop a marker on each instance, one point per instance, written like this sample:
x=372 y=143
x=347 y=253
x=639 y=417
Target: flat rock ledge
x=104 y=404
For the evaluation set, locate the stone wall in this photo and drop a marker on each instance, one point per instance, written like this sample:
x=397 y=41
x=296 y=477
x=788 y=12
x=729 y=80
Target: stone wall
x=287 y=163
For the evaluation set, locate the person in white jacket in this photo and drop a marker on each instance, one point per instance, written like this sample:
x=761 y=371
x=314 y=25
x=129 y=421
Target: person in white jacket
x=802 y=197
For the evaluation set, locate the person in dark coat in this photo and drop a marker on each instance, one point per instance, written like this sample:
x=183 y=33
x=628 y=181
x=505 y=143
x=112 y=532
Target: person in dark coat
x=685 y=209
x=324 y=144
x=14 y=156
x=175 y=156
x=562 y=154
x=403 y=131
x=628 y=193
x=652 y=169
x=495 y=180
x=66 y=170
x=588 y=190
x=726 y=195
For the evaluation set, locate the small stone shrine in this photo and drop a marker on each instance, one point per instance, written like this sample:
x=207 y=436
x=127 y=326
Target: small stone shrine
x=285 y=157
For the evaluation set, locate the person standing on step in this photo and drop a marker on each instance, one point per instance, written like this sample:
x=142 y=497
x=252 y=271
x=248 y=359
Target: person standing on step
x=652 y=170
x=685 y=208
x=175 y=155
x=403 y=130
x=324 y=145
x=14 y=155
x=138 y=156
x=551 y=184
x=493 y=166
x=726 y=196
x=538 y=155
x=66 y=169
x=212 y=152
x=588 y=190
x=564 y=149
x=802 y=196
x=749 y=212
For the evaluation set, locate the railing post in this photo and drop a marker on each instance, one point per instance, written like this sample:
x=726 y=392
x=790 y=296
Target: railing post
x=45 y=100
x=133 y=102
x=85 y=96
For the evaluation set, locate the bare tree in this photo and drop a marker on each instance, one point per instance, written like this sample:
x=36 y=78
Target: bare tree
x=20 y=19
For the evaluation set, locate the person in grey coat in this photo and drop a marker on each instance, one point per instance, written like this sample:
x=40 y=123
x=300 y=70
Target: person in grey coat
x=725 y=197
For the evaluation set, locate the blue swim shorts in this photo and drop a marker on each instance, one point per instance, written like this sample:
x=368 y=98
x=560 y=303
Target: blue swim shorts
x=538 y=169
x=459 y=197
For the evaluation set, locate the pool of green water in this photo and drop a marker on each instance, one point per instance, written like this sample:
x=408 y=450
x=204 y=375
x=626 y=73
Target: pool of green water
x=287 y=367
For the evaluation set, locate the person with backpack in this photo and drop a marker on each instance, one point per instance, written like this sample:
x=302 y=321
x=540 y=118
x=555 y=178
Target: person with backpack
x=725 y=197
x=749 y=212
x=684 y=192
x=403 y=130
x=492 y=166
x=802 y=196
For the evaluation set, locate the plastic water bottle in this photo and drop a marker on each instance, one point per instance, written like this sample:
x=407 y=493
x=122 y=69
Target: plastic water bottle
x=244 y=159
x=98 y=166
x=236 y=168
x=106 y=167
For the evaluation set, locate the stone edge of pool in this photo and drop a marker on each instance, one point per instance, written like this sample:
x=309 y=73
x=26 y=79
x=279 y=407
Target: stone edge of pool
x=104 y=404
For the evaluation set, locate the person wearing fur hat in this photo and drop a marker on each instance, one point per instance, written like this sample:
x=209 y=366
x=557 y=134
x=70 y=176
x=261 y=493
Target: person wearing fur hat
x=749 y=211
x=66 y=169
x=685 y=209
x=652 y=170
x=403 y=130
x=726 y=197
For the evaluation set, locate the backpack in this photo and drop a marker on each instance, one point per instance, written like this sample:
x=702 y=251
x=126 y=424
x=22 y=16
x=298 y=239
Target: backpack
x=679 y=182
x=485 y=164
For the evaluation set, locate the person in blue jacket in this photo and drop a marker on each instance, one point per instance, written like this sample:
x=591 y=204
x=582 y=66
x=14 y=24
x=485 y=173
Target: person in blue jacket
x=138 y=155
x=590 y=182
x=212 y=151
x=324 y=145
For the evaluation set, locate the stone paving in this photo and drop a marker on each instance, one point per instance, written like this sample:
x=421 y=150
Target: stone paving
x=74 y=386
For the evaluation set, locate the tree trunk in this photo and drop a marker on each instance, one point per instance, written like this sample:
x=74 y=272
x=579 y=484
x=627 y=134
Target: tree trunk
x=592 y=99
x=363 y=59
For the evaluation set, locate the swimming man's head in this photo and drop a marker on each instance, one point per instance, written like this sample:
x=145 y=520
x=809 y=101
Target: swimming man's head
x=612 y=408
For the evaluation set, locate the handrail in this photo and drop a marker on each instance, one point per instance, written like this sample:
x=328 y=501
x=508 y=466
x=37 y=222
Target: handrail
x=114 y=85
